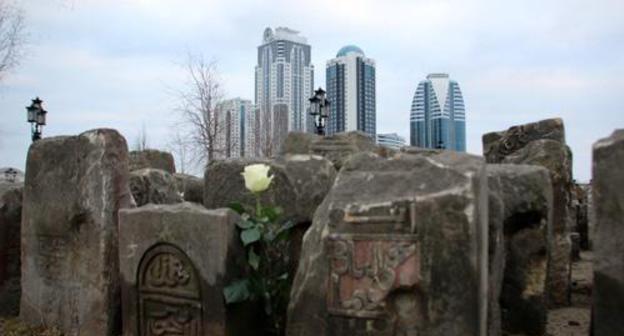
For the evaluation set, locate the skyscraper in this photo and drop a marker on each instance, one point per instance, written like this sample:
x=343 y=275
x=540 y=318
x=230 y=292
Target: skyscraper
x=391 y=140
x=437 y=117
x=235 y=128
x=284 y=82
x=351 y=92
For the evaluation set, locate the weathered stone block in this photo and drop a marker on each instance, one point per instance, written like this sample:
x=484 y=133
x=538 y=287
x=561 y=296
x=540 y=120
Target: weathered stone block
x=608 y=183
x=387 y=246
x=151 y=158
x=73 y=190
x=520 y=207
x=174 y=262
x=154 y=186
x=336 y=148
x=10 y=219
x=543 y=144
x=191 y=187
x=300 y=184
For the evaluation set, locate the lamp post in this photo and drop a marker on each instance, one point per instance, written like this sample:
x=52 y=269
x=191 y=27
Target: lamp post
x=36 y=116
x=10 y=174
x=318 y=109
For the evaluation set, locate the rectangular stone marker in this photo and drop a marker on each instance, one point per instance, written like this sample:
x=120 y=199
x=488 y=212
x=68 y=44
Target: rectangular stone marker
x=175 y=261
x=388 y=245
x=608 y=201
x=74 y=187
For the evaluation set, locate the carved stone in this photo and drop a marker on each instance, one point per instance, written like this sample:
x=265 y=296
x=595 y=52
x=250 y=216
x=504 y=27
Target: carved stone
x=520 y=207
x=608 y=183
x=73 y=190
x=151 y=158
x=155 y=186
x=336 y=148
x=543 y=144
x=175 y=261
x=387 y=246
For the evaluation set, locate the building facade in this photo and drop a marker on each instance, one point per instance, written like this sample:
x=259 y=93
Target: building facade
x=391 y=140
x=350 y=82
x=284 y=83
x=438 y=117
x=235 y=129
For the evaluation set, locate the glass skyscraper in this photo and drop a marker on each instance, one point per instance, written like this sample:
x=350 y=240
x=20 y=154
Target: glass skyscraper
x=438 y=118
x=284 y=83
x=350 y=80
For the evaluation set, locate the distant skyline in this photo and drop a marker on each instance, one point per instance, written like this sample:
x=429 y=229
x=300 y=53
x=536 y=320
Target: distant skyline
x=108 y=63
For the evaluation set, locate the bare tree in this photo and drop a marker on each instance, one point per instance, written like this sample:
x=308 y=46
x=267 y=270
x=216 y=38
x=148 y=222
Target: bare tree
x=198 y=108
x=12 y=36
x=179 y=147
x=140 y=143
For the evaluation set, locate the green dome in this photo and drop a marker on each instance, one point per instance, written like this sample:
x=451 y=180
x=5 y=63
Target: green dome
x=347 y=49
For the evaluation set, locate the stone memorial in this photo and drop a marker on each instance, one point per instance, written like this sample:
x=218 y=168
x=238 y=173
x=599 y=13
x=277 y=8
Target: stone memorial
x=388 y=245
x=191 y=187
x=152 y=158
x=74 y=188
x=337 y=148
x=155 y=186
x=174 y=262
x=10 y=273
x=543 y=143
x=608 y=198
x=520 y=210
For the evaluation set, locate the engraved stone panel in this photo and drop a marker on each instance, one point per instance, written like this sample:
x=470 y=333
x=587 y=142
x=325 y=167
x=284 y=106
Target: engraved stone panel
x=74 y=187
x=170 y=300
x=174 y=262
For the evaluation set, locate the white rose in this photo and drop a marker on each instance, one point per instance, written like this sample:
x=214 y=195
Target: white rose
x=257 y=177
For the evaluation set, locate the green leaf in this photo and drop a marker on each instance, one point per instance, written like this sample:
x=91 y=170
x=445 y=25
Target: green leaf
x=250 y=235
x=271 y=213
x=284 y=276
x=237 y=207
x=245 y=224
x=253 y=259
x=237 y=291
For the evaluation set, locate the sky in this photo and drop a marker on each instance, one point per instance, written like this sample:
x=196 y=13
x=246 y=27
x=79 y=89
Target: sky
x=118 y=64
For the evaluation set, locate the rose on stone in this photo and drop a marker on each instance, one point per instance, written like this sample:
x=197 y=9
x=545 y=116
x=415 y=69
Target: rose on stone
x=257 y=177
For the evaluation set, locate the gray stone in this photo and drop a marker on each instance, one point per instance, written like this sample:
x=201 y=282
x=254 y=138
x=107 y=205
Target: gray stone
x=299 y=186
x=10 y=273
x=387 y=247
x=154 y=186
x=174 y=263
x=191 y=187
x=543 y=144
x=151 y=158
x=520 y=207
x=608 y=183
x=336 y=148
x=73 y=190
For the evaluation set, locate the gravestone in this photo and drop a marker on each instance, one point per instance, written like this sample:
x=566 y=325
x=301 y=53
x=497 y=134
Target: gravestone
x=337 y=148
x=174 y=262
x=522 y=199
x=73 y=190
x=299 y=186
x=543 y=143
x=191 y=187
x=152 y=158
x=10 y=273
x=608 y=198
x=387 y=247
x=155 y=186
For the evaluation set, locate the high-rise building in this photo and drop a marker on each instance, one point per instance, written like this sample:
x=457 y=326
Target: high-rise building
x=351 y=92
x=235 y=133
x=438 y=118
x=284 y=83
x=391 y=140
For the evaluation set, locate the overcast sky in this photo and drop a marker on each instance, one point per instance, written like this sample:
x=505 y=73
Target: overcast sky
x=107 y=63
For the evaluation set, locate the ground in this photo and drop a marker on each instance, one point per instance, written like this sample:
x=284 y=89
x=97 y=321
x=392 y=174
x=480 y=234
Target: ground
x=568 y=321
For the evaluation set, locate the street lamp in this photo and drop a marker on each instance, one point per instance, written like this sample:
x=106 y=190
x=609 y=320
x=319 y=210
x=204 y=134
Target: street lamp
x=10 y=174
x=318 y=109
x=36 y=116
